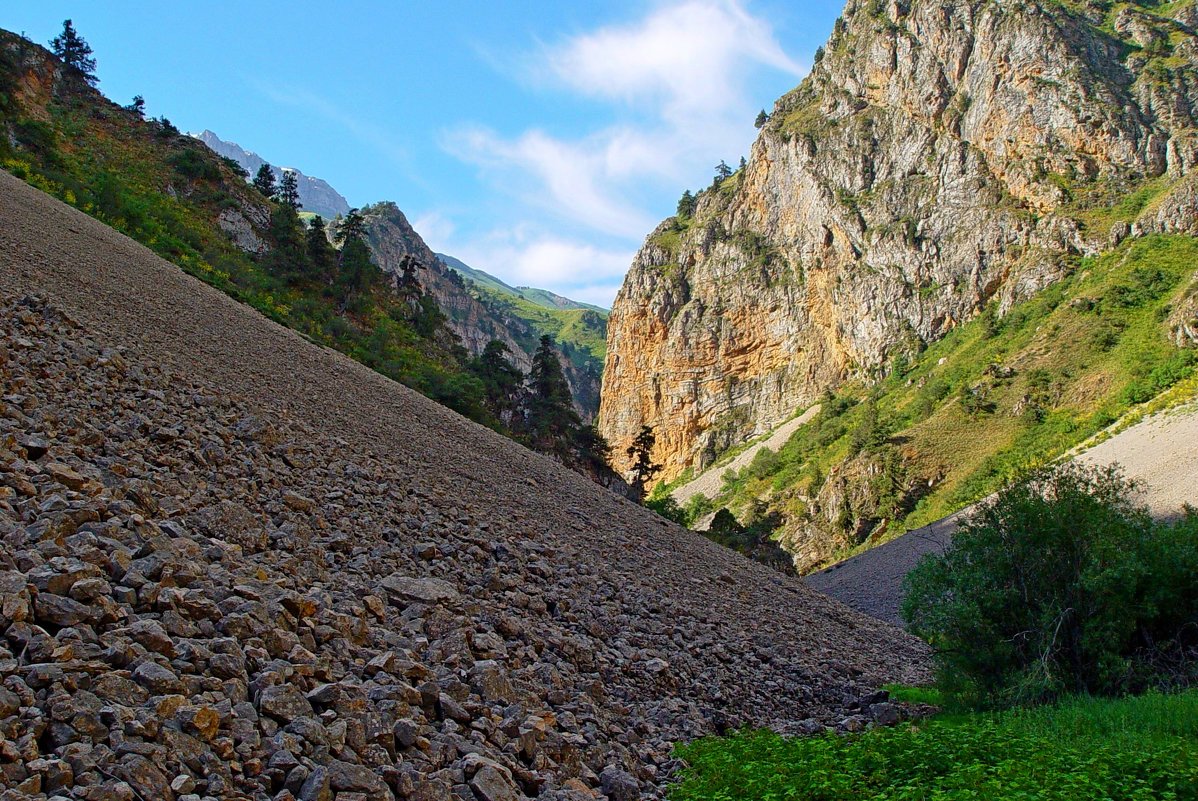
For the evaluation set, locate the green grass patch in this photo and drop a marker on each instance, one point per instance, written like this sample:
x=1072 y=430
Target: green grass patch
x=1143 y=748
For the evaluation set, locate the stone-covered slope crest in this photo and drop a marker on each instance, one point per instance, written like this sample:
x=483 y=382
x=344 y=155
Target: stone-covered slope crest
x=941 y=156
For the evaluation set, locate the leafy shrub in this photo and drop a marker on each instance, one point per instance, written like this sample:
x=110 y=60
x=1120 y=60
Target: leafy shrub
x=1140 y=748
x=190 y=163
x=667 y=507
x=1146 y=284
x=1059 y=585
x=1177 y=367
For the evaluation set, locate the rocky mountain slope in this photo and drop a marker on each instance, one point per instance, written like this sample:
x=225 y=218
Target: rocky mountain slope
x=578 y=329
x=315 y=194
x=475 y=321
x=938 y=158
x=237 y=564
x=166 y=190
x=942 y=163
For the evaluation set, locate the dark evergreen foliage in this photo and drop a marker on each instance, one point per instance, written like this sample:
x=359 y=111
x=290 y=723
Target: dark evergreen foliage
x=686 y=205
x=643 y=466
x=76 y=54
x=289 y=190
x=264 y=181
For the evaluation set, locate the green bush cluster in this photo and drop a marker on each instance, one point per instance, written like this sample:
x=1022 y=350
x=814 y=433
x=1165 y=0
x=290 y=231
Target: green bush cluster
x=1144 y=749
x=1062 y=584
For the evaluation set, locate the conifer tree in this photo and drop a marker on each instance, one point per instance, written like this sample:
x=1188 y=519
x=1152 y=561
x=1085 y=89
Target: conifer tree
x=762 y=119
x=264 y=181
x=503 y=382
x=320 y=252
x=409 y=284
x=643 y=467
x=289 y=189
x=355 y=269
x=686 y=205
x=550 y=418
x=351 y=226
x=289 y=256
x=138 y=106
x=76 y=54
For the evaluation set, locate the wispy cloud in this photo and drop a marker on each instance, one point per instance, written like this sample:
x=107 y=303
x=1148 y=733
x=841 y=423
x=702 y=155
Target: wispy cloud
x=567 y=179
x=688 y=58
x=678 y=78
x=526 y=255
x=355 y=124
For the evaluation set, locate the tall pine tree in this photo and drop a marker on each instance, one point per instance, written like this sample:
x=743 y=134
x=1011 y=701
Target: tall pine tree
x=289 y=190
x=75 y=53
x=550 y=418
x=643 y=467
x=503 y=383
x=320 y=253
x=264 y=181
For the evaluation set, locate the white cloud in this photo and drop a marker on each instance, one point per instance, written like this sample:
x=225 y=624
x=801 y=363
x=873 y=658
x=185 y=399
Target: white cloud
x=683 y=68
x=568 y=179
x=435 y=229
x=528 y=256
x=678 y=79
x=691 y=56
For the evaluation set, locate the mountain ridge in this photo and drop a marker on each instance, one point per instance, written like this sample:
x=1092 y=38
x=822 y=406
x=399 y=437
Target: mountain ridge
x=316 y=194
x=541 y=297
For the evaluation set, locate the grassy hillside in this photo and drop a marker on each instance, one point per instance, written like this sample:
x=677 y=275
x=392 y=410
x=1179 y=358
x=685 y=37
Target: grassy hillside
x=540 y=297
x=995 y=396
x=579 y=328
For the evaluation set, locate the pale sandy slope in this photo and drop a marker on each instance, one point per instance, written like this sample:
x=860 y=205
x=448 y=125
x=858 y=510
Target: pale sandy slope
x=1160 y=451
x=709 y=483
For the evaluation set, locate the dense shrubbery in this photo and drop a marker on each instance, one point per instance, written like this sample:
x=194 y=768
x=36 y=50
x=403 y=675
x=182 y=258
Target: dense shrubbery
x=1141 y=748
x=1062 y=584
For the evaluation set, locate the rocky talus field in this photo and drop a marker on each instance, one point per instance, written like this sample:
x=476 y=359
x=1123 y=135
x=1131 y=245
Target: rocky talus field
x=239 y=566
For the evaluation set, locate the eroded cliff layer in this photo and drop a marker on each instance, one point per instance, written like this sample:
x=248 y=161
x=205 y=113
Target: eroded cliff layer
x=940 y=156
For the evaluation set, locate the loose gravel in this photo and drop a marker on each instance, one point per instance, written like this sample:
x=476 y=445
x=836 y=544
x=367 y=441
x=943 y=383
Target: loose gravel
x=237 y=565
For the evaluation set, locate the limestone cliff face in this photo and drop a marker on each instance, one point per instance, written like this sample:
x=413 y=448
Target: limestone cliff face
x=940 y=155
x=391 y=238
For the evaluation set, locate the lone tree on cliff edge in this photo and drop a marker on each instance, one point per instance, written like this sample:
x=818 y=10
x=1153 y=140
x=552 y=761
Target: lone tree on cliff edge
x=643 y=468
x=75 y=53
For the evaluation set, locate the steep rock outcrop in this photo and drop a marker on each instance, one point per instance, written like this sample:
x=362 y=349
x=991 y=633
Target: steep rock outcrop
x=939 y=156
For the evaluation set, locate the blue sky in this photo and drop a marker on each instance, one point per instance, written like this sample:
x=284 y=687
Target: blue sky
x=540 y=142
